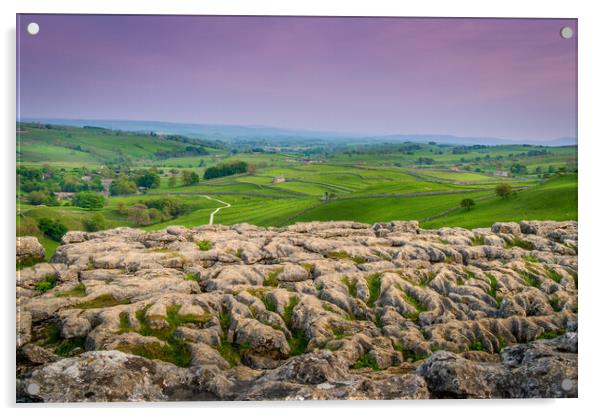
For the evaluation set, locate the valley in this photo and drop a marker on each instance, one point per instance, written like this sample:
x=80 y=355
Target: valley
x=283 y=182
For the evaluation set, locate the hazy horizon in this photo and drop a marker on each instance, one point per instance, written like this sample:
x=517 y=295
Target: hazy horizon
x=72 y=122
x=512 y=79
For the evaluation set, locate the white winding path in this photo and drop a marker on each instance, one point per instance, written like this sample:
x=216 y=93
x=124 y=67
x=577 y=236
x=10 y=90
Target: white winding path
x=226 y=205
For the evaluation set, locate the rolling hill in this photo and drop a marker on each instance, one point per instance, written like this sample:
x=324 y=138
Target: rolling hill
x=95 y=145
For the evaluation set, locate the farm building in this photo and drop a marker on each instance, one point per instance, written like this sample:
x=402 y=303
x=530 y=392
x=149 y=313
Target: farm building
x=63 y=196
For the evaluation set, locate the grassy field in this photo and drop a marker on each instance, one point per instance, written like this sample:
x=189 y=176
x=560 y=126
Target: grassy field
x=553 y=200
x=66 y=145
x=370 y=184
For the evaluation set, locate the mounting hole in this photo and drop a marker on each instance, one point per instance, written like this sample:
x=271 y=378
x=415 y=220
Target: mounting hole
x=566 y=32
x=566 y=384
x=33 y=28
x=33 y=388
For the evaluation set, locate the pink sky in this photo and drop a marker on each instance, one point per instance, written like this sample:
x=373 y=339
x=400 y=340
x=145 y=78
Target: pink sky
x=509 y=78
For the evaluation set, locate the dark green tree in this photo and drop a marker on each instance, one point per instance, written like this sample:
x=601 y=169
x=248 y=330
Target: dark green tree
x=53 y=229
x=190 y=177
x=503 y=190
x=149 y=180
x=96 y=222
x=89 y=200
x=467 y=204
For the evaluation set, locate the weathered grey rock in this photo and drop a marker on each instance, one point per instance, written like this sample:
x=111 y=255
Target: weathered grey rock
x=35 y=354
x=75 y=326
x=202 y=354
x=312 y=368
x=540 y=369
x=302 y=312
x=103 y=376
x=29 y=249
x=506 y=228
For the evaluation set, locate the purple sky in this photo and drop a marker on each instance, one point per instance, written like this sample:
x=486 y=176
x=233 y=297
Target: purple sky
x=472 y=77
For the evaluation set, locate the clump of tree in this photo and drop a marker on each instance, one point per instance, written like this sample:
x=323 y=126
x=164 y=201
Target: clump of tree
x=42 y=198
x=425 y=161
x=73 y=183
x=48 y=180
x=153 y=211
x=96 y=222
x=172 y=181
x=122 y=186
x=225 y=169
x=503 y=190
x=518 y=169
x=190 y=177
x=139 y=215
x=53 y=229
x=186 y=151
x=467 y=204
x=148 y=179
x=88 y=200
x=169 y=208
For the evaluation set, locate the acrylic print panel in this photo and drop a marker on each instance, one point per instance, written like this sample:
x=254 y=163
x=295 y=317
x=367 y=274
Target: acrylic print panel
x=287 y=208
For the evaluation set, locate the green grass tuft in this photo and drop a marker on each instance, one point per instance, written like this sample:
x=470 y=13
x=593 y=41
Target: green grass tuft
x=78 y=291
x=478 y=240
x=341 y=255
x=52 y=334
x=272 y=278
x=174 y=350
x=366 y=361
x=555 y=304
x=309 y=267
x=124 y=322
x=493 y=288
x=50 y=281
x=408 y=354
x=501 y=345
x=425 y=279
x=373 y=282
x=339 y=333
x=416 y=304
x=229 y=352
x=27 y=262
x=225 y=320
x=554 y=275
x=476 y=345
x=195 y=277
x=204 y=245
x=287 y=315
x=66 y=346
x=519 y=242
x=102 y=301
x=530 y=279
x=531 y=259
x=298 y=342
x=552 y=334
x=269 y=303
x=351 y=286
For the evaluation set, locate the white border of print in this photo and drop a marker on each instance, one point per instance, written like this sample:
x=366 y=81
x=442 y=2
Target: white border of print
x=590 y=149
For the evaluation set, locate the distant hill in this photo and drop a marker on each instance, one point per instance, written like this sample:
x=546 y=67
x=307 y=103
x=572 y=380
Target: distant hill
x=98 y=145
x=229 y=133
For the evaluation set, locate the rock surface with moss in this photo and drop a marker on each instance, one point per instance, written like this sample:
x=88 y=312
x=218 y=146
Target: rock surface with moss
x=323 y=310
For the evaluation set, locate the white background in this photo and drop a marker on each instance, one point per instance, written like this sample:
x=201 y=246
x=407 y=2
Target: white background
x=590 y=165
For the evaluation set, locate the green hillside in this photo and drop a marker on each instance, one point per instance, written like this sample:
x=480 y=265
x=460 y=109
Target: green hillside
x=282 y=185
x=46 y=143
x=553 y=200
